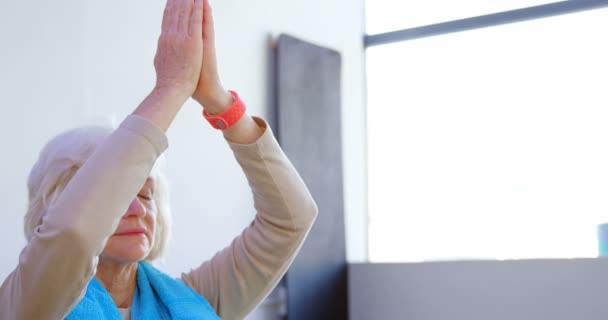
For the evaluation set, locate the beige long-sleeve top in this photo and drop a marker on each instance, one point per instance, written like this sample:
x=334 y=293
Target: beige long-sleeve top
x=61 y=258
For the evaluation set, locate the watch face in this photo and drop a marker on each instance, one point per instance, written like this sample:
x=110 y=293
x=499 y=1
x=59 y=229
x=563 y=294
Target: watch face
x=220 y=124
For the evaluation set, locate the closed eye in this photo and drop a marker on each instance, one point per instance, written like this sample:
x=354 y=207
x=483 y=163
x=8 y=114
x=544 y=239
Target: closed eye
x=145 y=197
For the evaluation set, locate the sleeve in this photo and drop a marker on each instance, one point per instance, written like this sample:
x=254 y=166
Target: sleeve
x=58 y=262
x=238 y=277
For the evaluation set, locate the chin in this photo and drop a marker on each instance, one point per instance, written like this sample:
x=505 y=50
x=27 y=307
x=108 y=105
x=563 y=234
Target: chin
x=126 y=251
x=135 y=256
x=128 y=257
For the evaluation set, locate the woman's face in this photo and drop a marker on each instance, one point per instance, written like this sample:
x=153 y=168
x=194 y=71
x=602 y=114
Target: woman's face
x=134 y=236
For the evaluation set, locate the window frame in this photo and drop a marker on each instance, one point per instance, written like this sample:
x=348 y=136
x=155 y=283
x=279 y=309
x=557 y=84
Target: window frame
x=483 y=21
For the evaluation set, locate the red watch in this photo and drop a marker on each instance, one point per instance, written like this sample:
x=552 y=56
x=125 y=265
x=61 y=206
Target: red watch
x=229 y=117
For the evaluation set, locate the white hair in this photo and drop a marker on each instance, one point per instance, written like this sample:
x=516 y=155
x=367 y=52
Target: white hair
x=57 y=163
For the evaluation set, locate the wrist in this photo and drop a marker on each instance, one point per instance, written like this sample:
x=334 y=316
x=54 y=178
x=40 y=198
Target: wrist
x=161 y=106
x=170 y=94
x=228 y=117
x=216 y=103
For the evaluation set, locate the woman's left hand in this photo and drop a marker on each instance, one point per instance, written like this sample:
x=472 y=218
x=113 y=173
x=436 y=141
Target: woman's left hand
x=209 y=92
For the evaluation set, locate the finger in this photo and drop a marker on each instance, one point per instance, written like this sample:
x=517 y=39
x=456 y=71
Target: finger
x=168 y=15
x=176 y=8
x=209 y=55
x=184 y=15
x=196 y=21
x=208 y=25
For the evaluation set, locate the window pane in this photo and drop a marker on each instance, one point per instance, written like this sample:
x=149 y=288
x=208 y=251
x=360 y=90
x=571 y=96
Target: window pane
x=390 y=15
x=491 y=143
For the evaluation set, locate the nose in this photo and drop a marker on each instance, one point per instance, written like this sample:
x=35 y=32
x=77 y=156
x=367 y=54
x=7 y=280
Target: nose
x=136 y=208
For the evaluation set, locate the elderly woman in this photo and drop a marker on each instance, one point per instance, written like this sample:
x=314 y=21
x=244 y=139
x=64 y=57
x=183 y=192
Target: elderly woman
x=98 y=208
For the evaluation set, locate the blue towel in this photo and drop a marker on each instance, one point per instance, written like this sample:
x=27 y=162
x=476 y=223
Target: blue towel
x=157 y=296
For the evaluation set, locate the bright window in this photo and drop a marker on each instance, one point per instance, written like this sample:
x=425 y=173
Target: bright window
x=491 y=143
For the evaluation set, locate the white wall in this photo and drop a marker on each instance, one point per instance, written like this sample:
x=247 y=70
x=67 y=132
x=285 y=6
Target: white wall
x=66 y=62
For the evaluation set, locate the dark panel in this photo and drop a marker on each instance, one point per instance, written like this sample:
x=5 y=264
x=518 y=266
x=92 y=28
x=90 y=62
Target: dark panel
x=308 y=114
x=560 y=289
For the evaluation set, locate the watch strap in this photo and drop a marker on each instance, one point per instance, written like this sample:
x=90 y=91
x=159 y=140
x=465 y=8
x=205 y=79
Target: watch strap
x=229 y=117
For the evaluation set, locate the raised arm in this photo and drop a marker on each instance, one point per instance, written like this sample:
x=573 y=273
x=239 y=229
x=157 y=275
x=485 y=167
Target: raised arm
x=60 y=259
x=237 y=278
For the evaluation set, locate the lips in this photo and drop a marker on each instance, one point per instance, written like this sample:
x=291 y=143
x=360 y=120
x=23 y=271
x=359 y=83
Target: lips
x=131 y=232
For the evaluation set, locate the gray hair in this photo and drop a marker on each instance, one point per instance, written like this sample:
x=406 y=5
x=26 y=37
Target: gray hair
x=61 y=158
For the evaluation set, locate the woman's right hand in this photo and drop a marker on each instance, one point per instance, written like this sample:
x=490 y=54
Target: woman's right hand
x=180 y=47
x=178 y=62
